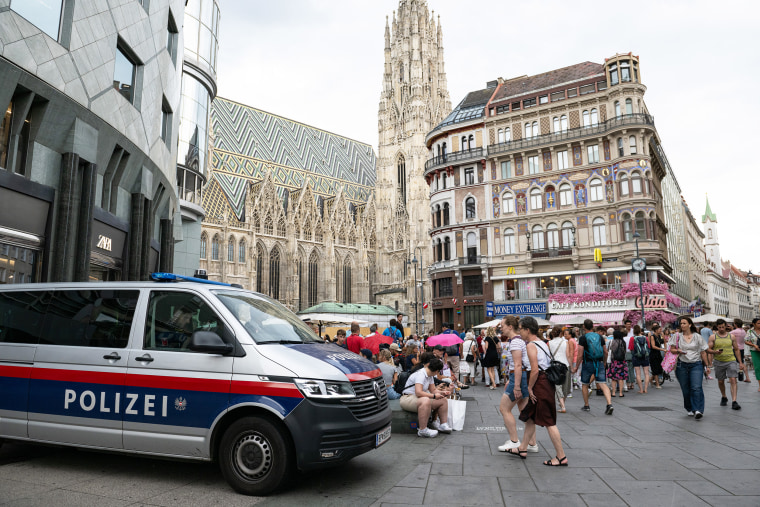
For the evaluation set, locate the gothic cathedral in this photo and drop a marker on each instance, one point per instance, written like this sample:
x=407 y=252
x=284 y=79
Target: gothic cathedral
x=413 y=101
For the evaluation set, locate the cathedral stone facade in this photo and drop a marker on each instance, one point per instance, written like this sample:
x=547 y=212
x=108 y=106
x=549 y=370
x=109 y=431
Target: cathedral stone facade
x=308 y=216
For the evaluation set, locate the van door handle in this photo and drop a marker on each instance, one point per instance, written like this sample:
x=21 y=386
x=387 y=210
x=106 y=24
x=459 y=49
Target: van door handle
x=145 y=357
x=113 y=356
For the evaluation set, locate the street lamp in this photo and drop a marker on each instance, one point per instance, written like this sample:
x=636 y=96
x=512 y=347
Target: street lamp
x=416 y=300
x=639 y=265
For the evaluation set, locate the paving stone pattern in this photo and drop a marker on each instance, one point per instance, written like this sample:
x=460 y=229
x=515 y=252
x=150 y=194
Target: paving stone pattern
x=635 y=457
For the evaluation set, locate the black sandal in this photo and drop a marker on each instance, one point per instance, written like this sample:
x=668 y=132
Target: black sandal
x=518 y=452
x=560 y=462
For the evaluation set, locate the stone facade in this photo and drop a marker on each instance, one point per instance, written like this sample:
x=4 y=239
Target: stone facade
x=89 y=135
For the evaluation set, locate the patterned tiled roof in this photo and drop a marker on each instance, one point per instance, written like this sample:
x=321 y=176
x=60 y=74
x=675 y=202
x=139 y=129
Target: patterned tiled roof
x=526 y=84
x=249 y=142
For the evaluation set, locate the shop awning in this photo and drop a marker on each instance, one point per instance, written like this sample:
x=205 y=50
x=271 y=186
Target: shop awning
x=606 y=318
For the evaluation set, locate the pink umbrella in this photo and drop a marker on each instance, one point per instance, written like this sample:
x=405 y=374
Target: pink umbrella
x=445 y=339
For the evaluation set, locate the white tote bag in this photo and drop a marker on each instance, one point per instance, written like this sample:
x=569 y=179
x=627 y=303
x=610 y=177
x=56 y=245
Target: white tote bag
x=457 y=410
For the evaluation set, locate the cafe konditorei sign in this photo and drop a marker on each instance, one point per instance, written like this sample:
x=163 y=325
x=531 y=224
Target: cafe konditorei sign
x=651 y=302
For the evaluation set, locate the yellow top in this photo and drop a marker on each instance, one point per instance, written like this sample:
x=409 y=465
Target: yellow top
x=728 y=350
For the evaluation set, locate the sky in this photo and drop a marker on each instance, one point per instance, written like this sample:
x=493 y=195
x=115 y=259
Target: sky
x=320 y=62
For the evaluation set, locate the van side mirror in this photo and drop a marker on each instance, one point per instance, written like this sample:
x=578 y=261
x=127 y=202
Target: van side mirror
x=209 y=342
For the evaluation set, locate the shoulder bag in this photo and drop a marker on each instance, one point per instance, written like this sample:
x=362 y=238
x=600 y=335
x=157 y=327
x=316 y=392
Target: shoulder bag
x=556 y=372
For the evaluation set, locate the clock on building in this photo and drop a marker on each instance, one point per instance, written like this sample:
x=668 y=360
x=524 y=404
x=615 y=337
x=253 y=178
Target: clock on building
x=639 y=264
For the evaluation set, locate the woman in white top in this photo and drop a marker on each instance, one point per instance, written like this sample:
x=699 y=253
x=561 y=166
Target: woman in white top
x=541 y=408
x=470 y=349
x=423 y=397
x=558 y=346
x=692 y=363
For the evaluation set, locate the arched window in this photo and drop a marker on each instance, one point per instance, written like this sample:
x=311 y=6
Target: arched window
x=594 y=117
x=464 y=143
x=443 y=149
x=231 y=250
x=537 y=237
x=565 y=195
x=709 y=234
x=439 y=250
x=636 y=182
x=274 y=273
x=508 y=203
x=281 y=227
x=347 y=280
x=215 y=248
x=259 y=269
x=307 y=231
x=632 y=144
x=507 y=135
x=447 y=248
x=443 y=181
x=586 y=119
x=600 y=232
x=652 y=226
x=445 y=213
x=469 y=207
x=471 y=143
x=552 y=236
x=617 y=109
x=501 y=136
x=204 y=242
x=641 y=225
x=268 y=225
x=621 y=152
x=509 y=241
x=472 y=248
x=401 y=175
x=241 y=251
x=438 y=215
x=555 y=124
x=535 y=199
x=624 y=190
x=628 y=106
x=596 y=190
x=567 y=234
x=563 y=122
x=627 y=227
x=531 y=129
x=312 y=279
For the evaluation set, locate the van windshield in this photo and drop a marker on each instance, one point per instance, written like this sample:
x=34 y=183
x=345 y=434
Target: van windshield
x=267 y=321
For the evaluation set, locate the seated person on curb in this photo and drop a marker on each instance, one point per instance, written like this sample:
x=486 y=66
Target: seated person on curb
x=423 y=397
x=447 y=374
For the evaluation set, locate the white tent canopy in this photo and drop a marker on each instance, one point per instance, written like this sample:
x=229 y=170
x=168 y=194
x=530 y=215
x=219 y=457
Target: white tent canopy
x=708 y=317
x=495 y=322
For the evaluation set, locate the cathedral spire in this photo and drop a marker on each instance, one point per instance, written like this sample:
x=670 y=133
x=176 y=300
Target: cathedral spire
x=708 y=212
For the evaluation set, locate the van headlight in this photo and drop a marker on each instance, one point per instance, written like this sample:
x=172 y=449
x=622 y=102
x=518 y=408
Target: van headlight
x=325 y=390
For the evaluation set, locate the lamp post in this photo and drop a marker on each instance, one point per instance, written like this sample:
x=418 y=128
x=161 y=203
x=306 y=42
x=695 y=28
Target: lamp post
x=416 y=300
x=639 y=265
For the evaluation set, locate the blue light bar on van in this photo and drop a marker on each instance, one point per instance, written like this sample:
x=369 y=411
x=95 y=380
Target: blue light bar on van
x=171 y=277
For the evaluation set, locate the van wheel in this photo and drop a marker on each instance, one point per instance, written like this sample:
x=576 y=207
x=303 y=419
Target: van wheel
x=254 y=456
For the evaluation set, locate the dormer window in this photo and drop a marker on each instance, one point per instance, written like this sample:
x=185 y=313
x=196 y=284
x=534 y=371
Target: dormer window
x=625 y=71
x=613 y=74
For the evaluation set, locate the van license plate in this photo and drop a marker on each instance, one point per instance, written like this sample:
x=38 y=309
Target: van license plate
x=383 y=436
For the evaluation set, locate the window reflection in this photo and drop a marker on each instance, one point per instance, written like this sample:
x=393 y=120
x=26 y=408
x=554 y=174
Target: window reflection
x=124 y=75
x=44 y=14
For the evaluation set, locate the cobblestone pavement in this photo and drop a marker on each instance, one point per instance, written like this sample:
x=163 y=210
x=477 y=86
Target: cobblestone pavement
x=648 y=453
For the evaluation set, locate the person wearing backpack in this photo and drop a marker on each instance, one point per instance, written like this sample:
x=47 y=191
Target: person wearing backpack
x=592 y=349
x=639 y=348
x=617 y=371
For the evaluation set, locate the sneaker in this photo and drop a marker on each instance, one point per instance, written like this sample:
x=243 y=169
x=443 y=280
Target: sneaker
x=570 y=395
x=697 y=415
x=444 y=428
x=609 y=410
x=690 y=413
x=723 y=402
x=586 y=408
x=427 y=433
x=533 y=448
x=509 y=445
x=625 y=388
x=735 y=406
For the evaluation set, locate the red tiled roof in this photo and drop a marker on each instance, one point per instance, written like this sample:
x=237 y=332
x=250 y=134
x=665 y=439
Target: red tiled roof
x=523 y=85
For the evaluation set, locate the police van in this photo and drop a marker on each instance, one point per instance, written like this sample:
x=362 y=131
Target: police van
x=186 y=369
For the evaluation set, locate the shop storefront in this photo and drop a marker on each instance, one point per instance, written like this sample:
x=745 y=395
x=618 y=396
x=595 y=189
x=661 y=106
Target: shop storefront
x=614 y=307
x=108 y=242
x=460 y=302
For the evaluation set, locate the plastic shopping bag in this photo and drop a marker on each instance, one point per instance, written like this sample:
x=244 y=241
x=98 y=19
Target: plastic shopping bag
x=457 y=410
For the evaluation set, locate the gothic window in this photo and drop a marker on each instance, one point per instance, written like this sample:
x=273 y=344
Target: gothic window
x=372 y=240
x=401 y=169
x=215 y=248
x=509 y=241
x=537 y=235
x=268 y=226
x=281 y=227
x=318 y=234
x=445 y=213
x=469 y=207
x=259 y=269
x=307 y=231
x=508 y=203
x=231 y=250
x=204 y=241
x=274 y=273
x=241 y=251
x=401 y=73
x=347 y=280
x=312 y=282
x=552 y=236
x=596 y=190
x=256 y=222
x=565 y=195
x=600 y=232
x=567 y=234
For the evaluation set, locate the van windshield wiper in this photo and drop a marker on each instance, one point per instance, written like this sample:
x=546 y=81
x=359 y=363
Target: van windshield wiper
x=281 y=342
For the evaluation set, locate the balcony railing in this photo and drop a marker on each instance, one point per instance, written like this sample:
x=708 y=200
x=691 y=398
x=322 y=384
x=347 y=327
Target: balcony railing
x=472 y=259
x=550 y=253
x=457 y=156
x=600 y=128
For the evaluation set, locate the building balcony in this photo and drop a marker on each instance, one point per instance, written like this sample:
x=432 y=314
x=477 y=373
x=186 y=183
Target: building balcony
x=567 y=135
x=473 y=260
x=459 y=262
x=457 y=156
x=550 y=253
x=545 y=292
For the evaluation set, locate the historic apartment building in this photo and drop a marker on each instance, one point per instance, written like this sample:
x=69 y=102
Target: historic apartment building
x=88 y=138
x=538 y=185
